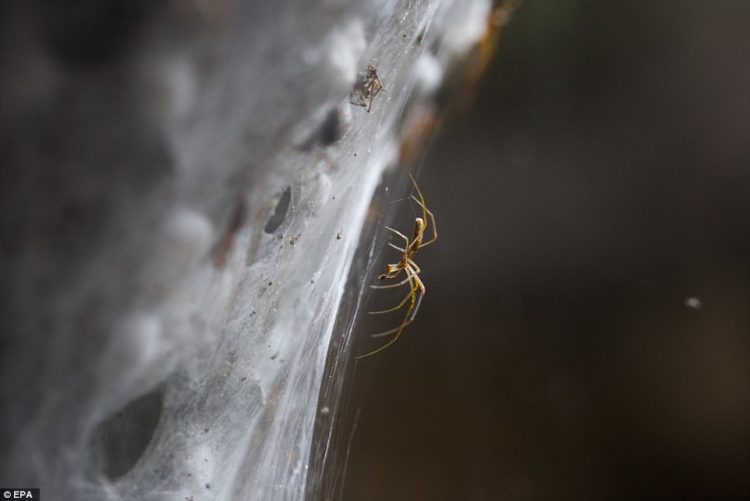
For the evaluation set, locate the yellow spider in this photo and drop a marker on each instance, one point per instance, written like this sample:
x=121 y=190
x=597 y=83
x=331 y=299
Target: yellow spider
x=409 y=267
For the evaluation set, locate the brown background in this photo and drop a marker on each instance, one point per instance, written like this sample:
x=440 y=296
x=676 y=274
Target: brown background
x=600 y=180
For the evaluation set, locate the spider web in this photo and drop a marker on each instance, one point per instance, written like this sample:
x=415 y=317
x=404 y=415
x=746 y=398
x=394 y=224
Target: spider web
x=203 y=338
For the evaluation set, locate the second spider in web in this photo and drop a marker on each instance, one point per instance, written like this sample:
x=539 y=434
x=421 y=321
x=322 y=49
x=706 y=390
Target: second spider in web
x=417 y=290
x=367 y=86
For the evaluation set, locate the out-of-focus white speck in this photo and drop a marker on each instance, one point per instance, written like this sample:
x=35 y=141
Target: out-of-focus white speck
x=694 y=303
x=467 y=25
x=140 y=337
x=340 y=52
x=189 y=229
x=187 y=235
x=429 y=73
x=180 y=80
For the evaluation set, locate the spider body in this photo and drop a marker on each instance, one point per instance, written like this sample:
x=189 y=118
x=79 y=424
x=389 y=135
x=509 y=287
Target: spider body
x=410 y=268
x=366 y=87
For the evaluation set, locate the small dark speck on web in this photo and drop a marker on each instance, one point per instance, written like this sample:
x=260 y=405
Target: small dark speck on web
x=243 y=379
x=312 y=281
x=208 y=486
x=270 y=284
x=205 y=430
x=338 y=236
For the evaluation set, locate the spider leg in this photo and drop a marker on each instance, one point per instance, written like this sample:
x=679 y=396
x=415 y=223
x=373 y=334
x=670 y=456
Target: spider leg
x=414 y=266
x=404 y=324
x=386 y=345
x=396 y=247
x=400 y=235
x=406 y=239
x=357 y=99
x=370 y=96
x=422 y=290
x=425 y=212
x=411 y=312
x=410 y=315
x=403 y=301
x=432 y=221
x=398 y=330
x=391 y=286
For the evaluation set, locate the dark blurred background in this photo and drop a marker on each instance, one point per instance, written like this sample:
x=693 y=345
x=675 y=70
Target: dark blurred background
x=586 y=331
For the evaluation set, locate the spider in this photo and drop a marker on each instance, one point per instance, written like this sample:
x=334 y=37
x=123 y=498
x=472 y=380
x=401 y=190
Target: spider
x=366 y=88
x=409 y=267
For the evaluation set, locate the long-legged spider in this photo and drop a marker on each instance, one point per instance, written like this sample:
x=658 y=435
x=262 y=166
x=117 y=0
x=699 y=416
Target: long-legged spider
x=409 y=267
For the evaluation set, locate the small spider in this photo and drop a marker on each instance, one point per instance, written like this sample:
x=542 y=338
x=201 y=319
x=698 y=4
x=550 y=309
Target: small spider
x=409 y=267
x=366 y=88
